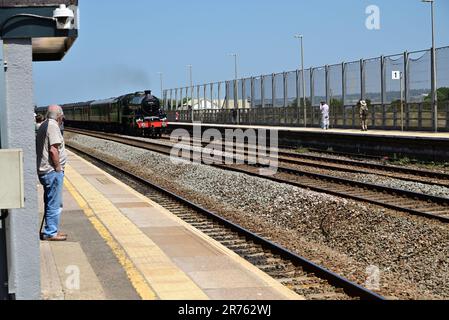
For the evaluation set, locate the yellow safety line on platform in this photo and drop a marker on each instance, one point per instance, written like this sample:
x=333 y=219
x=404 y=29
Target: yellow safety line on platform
x=167 y=281
x=137 y=280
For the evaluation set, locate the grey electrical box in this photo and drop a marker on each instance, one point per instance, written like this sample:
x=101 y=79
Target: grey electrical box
x=11 y=179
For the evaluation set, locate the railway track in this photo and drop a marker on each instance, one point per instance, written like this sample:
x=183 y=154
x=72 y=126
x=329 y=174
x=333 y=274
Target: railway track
x=397 y=199
x=353 y=166
x=320 y=151
x=299 y=274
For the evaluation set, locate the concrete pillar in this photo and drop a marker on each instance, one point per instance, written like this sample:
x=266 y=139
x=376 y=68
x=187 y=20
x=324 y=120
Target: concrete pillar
x=18 y=132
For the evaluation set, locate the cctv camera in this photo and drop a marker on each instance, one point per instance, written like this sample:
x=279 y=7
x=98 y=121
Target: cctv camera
x=64 y=17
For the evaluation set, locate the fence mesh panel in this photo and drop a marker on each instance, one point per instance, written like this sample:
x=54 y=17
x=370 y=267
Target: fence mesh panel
x=442 y=64
x=352 y=83
x=373 y=80
x=268 y=91
x=392 y=87
x=442 y=57
x=336 y=94
x=247 y=94
x=319 y=85
x=279 y=90
x=291 y=89
x=257 y=99
x=419 y=80
x=239 y=93
x=215 y=96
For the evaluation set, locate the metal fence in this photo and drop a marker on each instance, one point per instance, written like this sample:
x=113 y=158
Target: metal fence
x=278 y=99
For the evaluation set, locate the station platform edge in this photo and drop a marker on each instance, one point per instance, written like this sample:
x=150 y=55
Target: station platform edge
x=123 y=246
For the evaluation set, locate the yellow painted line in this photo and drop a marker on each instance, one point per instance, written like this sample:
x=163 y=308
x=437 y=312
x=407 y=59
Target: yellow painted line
x=137 y=280
x=164 y=277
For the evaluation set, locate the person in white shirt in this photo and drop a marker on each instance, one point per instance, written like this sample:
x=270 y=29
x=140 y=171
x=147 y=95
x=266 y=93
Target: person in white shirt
x=324 y=108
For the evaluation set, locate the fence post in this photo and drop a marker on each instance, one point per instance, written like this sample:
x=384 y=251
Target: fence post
x=262 y=90
x=406 y=87
x=191 y=102
x=362 y=79
x=447 y=116
x=312 y=96
x=328 y=95
x=276 y=114
x=205 y=97
x=199 y=102
x=343 y=91
x=284 y=81
x=298 y=97
x=176 y=99
x=434 y=88
x=227 y=95
x=212 y=95
x=382 y=88
x=273 y=90
x=253 y=104
x=236 y=93
x=181 y=96
x=244 y=93
x=236 y=100
x=220 y=106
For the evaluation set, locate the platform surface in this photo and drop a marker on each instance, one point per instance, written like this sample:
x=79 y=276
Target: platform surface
x=124 y=246
x=349 y=132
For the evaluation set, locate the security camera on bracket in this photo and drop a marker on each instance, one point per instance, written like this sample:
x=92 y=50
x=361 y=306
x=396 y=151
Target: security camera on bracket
x=64 y=17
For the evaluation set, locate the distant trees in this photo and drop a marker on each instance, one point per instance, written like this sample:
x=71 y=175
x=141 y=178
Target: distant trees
x=294 y=103
x=442 y=93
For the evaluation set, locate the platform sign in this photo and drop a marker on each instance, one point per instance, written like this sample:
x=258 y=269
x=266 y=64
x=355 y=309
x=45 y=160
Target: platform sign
x=396 y=75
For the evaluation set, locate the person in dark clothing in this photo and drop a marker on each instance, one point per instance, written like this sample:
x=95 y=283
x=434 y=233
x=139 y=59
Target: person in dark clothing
x=234 y=116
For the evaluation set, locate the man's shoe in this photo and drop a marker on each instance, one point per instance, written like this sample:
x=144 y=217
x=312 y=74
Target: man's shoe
x=57 y=238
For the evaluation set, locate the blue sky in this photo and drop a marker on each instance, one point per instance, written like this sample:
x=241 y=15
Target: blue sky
x=123 y=44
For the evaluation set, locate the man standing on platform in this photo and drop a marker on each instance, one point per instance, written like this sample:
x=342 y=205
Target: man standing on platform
x=324 y=108
x=51 y=161
x=363 y=106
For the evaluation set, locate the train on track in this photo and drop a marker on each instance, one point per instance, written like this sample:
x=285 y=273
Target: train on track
x=138 y=114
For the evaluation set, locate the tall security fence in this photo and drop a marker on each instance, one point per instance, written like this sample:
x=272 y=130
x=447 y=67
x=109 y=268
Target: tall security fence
x=398 y=89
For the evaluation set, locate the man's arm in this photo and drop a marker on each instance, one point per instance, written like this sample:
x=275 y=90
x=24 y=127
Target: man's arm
x=54 y=155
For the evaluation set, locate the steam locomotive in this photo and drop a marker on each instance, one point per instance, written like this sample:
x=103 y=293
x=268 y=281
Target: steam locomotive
x=137 y=114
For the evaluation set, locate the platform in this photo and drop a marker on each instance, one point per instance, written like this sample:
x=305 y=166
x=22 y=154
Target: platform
x=124 y=246
x=349 y=132
x=418 y=145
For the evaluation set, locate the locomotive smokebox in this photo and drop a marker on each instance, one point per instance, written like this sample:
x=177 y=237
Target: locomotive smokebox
x=150 y=104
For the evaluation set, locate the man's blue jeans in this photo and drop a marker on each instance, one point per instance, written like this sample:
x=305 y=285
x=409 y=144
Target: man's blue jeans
x=53 y=187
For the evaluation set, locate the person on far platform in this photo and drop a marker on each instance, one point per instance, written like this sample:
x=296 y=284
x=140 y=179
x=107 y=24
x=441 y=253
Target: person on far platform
x=363 y=106
x=324 y=108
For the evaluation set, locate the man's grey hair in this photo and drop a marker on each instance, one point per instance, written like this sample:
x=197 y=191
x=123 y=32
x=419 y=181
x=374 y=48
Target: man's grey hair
x=55 y=112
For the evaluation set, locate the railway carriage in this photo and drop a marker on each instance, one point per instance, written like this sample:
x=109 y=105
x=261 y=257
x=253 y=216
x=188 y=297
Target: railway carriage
x=135 y=114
